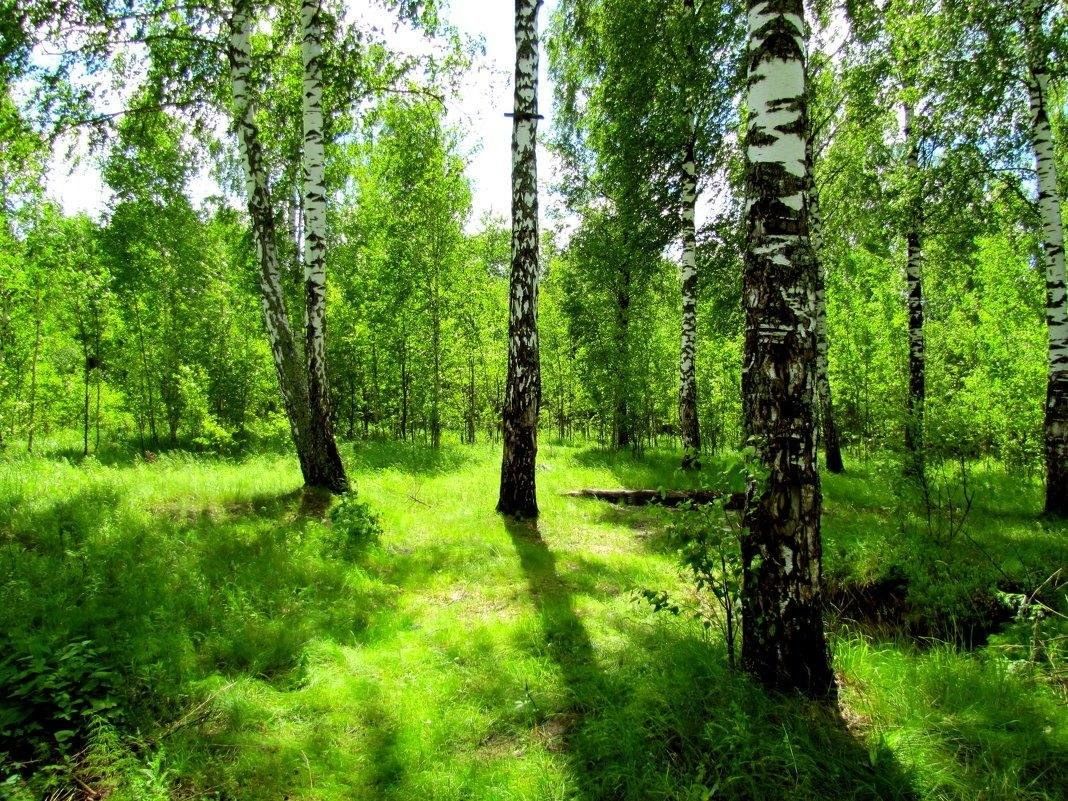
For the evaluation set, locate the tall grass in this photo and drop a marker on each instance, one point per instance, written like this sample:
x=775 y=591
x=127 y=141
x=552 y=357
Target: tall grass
x=246 y=652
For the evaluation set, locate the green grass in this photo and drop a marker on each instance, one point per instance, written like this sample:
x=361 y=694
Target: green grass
x=250 y=656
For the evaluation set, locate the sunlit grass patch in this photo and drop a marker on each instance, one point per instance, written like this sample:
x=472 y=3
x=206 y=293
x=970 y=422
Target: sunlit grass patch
x=259 y=654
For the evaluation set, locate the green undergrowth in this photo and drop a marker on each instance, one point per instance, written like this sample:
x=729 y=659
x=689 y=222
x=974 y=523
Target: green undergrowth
x=198 y=627
x=953 y=560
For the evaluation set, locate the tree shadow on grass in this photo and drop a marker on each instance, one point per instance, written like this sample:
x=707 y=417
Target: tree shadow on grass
x=681 y=725
x=294 y=506
x=667 y=719
x=567 y=642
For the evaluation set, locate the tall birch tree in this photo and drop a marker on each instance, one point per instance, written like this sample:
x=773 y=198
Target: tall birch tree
x=819 y=78
x=518 y=495
x=288 y=364
x=689 y=425
x=783 y=640
x=917 y=383
x=326 y=466
x=1049 y=202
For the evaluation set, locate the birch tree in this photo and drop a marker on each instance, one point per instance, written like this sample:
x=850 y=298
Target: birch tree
x=518 y=495
x=783 y=640
x=1049 y=202
x=917 y=384
x=645 y=98
x=689 y=426
x=288 y=364
x=325 y=461
x=818 y=78
x=832 y=446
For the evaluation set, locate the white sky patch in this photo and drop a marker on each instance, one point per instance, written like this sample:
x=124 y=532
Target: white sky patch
x=478 y=110
x=486 y=97
x=73 y=180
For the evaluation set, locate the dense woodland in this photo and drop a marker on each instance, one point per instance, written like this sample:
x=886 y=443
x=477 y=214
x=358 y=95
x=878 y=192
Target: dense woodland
x=291 y=469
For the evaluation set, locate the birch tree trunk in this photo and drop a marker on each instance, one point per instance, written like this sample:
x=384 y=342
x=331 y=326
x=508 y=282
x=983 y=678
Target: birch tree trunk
x=831 y=443
x=33 y=372
x=518 y=496
x=689 y=427
x=688 y=422
x=86 y=367
x=324 y=461
x=1049 y=201
x=435 y=349
x=914 y=281
x=287 y=361
x=783 y=640
x=623 y=428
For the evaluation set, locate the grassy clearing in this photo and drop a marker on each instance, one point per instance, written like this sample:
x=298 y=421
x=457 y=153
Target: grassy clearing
x=244 y=653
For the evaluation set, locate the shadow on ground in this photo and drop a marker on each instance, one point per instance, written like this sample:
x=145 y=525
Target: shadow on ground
x=664 y=717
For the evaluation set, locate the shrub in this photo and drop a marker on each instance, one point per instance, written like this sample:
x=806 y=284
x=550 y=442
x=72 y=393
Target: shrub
x=355 y=523
x=50 y=696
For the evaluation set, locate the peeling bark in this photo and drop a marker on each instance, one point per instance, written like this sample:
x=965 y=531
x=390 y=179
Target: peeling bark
x=324 y=460
x=518 y=496
x=783 y=640
x=1049 y=201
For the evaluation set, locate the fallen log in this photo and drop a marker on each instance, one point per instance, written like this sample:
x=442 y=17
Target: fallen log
x=647 y=497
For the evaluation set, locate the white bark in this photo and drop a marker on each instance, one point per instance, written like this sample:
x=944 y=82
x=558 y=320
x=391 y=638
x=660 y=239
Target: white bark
x=776 y=136
x=914 y=423
x=1049 y=202
x=783 y=641
x=523 y=392
x=688 y=422
x=314 y=191
x=259 y=204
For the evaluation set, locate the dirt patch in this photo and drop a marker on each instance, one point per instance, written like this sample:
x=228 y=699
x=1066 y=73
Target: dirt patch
x=497 y=745
x=553 y=732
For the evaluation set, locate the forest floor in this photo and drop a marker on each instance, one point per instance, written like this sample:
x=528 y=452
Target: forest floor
x=195 y=628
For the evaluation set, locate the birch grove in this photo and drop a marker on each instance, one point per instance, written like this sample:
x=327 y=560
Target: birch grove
x=871 y=232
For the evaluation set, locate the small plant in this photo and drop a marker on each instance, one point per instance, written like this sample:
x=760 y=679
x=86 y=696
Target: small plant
x=355 y=523
x=947 y=502
x=50 y=698
x=708 y=545
x=1040 y=632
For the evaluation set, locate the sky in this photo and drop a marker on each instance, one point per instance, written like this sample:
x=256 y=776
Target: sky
x=479 y=112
